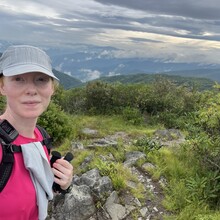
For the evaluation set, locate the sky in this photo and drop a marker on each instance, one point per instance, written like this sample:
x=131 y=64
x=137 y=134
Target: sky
x=169 y=30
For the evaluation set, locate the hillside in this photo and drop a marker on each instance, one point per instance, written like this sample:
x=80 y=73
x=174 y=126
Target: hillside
x=67 y=81
x=213 y=74
x=203 y=78
x=201 y=83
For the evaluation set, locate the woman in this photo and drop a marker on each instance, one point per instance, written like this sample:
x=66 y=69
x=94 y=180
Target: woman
x=27 y=82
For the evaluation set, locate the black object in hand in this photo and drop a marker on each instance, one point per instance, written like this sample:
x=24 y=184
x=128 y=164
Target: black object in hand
x=55 y=155
x=69 y=156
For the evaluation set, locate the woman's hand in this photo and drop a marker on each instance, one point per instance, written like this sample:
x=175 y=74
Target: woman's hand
x=63 y=173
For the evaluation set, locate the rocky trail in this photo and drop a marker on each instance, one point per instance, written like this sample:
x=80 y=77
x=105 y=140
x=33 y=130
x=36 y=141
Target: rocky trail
x=86 y=201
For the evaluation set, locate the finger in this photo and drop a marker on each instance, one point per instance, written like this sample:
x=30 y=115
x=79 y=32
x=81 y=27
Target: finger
x=64 y=163
x=62 y=172
x=63 y=167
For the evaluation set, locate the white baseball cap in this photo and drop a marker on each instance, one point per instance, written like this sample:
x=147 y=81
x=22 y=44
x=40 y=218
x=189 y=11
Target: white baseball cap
x=21 y=59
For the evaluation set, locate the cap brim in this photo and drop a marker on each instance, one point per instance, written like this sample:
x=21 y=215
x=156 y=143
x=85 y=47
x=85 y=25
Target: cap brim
x=21 y=69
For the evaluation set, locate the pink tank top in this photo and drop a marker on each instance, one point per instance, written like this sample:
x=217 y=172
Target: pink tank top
x=18 y=198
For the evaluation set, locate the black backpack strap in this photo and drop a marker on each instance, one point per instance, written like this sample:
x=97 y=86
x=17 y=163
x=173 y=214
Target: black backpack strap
x=8 y=151
x=47 y=141
x=6 y=166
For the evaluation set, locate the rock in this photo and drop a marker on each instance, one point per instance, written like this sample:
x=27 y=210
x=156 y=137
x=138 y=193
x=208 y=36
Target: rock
x=98 y=185
x=76 y=205
x=103 y=143
x=148 y=166
x=90 y=132
x=77 y=146
x=144 y=211
x=114 y=209
x=93 y=198
x=132 y=157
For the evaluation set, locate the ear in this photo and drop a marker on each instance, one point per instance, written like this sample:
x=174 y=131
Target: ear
x=2 y=91
x=54 y=87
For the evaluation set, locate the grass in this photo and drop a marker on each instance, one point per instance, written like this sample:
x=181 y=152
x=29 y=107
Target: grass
x=106 y=125
x=177 y=165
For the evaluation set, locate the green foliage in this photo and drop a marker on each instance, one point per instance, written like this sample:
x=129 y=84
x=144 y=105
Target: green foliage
x=2 y=104
x=193 y=181
x=57 y=123
x=132 y=116
x=192 y=170
x=105 y=168
x=203 y=189
x=175 y=196
x=204 y=216
x=207 y=153
x=209 y=113
x=163 y=99
x=177 y=77
x=190 y=212
x=72 y=101
x=139 y=192
x=146 y=144
x=79 y=158
x=113 y=170
x=99 y=98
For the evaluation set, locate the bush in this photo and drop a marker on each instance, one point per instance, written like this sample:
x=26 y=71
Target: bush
x=2 y=104
x=146 y=144
x=99 y=98
x=132 y=116
x=57 y=123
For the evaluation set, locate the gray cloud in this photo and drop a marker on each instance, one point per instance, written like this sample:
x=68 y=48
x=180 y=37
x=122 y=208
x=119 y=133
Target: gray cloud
x=202 y=9
x=172 y=29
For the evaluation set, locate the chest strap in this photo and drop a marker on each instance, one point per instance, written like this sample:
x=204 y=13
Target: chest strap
x=7 y=162
x=13 y=148
x=6 y=166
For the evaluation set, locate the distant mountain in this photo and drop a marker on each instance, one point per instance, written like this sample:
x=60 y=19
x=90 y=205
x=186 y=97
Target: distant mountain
x=200 y=83
x=89 y=62
x=213 y=74
x=66 y=81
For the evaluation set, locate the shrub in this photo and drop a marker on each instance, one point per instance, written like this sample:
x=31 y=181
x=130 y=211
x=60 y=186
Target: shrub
x=99 y=98
x=146 y=144
x=57 y=123
x=203 y=189
x=132 y=116
x=2 y=104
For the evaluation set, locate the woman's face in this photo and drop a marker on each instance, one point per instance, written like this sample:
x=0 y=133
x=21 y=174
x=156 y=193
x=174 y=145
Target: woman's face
x=28 y=95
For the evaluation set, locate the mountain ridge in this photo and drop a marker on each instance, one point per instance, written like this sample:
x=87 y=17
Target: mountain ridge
x=83 y=63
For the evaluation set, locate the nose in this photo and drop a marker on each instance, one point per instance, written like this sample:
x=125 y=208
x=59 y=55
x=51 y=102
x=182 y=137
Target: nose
x=31 y=88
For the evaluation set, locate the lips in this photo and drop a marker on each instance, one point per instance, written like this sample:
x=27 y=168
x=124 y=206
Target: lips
x=31 y=102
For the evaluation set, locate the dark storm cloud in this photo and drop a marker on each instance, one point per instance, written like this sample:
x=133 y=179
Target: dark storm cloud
x=173 y=17
x=191 y=19
x=185 y=28
x=202 y=9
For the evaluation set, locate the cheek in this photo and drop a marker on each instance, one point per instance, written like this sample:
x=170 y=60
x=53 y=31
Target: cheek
x=9 y=91
x=47 y=93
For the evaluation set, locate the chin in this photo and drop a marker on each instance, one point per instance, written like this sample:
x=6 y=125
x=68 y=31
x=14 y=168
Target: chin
x=31 y=116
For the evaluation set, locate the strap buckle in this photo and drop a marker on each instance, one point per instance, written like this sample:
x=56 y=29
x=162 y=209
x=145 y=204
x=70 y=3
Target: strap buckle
x=11 y=148
x=8 y=148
